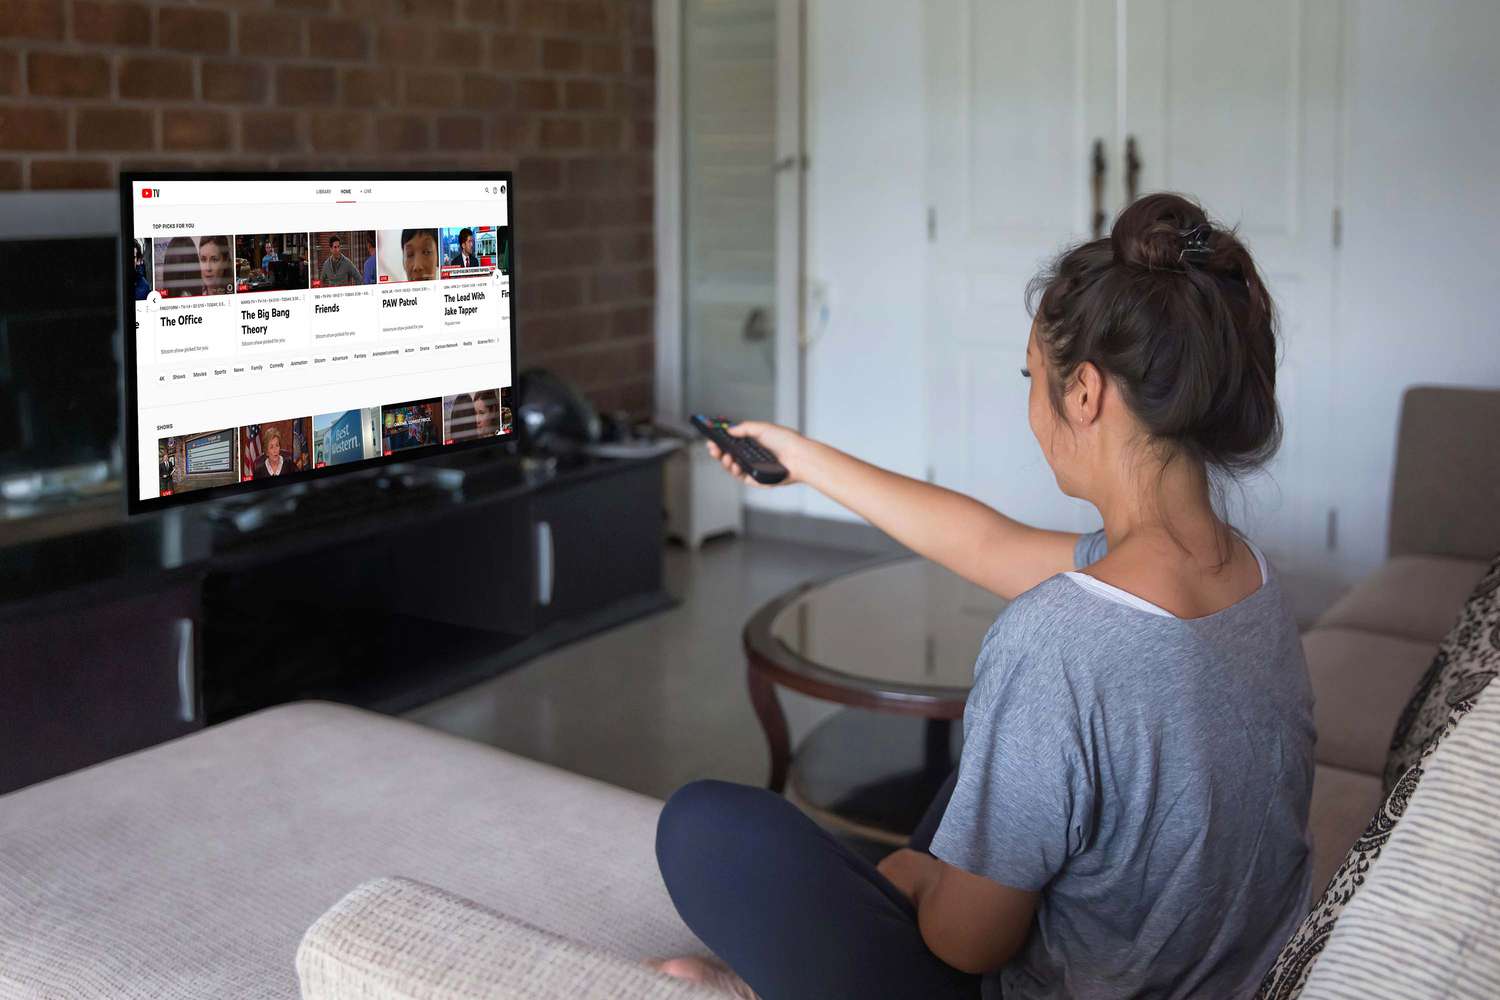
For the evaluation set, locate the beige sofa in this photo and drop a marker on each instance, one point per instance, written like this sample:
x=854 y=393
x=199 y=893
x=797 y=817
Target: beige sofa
x=195 y=869
x=1368 y=652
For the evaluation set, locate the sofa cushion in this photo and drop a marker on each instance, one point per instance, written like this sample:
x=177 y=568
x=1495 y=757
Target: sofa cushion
x=1412 y=597
x=1342 y=803
x=1287 y=978
x=1360 y=682
x=193 y=868
x=1425 y=923
x=1465 y=663
x=396 y=939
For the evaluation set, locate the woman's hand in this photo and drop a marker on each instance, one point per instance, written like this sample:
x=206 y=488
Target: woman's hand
x=790 y=448
x=910 y=871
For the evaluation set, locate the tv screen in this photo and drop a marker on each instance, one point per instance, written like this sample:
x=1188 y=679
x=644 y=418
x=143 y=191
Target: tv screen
x=282 y=327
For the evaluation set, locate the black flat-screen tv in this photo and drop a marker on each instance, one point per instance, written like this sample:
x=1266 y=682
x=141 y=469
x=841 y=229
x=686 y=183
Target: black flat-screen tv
x=281 y=327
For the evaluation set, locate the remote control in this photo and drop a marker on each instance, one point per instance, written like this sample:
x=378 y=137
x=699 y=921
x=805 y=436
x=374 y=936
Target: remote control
x=753 y=460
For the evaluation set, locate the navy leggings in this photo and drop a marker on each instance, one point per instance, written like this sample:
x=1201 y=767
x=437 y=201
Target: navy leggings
x=793 y=911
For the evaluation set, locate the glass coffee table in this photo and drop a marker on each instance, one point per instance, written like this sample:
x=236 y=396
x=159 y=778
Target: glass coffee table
x=896 y=643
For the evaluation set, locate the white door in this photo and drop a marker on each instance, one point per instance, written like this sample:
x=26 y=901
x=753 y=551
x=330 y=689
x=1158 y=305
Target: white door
x=1235 y=104
x=1018 y=94
x=1238 y=105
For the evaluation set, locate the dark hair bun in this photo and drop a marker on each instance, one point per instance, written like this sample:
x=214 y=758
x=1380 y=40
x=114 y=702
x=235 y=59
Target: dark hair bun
x=1171 y=306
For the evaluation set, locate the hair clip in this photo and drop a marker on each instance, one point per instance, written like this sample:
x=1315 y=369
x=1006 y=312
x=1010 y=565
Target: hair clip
x=1195 y=248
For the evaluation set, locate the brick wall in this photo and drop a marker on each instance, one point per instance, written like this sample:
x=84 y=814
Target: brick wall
x=560 y=91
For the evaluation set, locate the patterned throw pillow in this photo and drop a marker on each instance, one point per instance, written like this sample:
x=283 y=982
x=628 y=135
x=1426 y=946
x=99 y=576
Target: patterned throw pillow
x=1467 y=660
x=1293 y=965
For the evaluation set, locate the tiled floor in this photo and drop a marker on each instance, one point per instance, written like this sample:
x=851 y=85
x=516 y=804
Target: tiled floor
x=659 y=702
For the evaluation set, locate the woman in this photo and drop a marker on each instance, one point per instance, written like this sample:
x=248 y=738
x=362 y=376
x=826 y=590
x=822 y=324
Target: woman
x=1129 y=814
x=272 y=462
x=178 y=274
x=215 y=264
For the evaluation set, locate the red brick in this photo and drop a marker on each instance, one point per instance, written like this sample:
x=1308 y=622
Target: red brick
x=537 y=94
x=301 y=4
x=604 y=58
x=491 y=11
x=33 y=128
x=269 y=131
x=540 y=174
x=482 y=90
x=555 y=291
x=58 y=74
x=195 y=130
x=631 y=321
x=595 y=175
x=510 y=132
x=402 y=44
x=643 y=134
x=561 y=55
x=31 y=19
x=366 y=88
x=558 y=332
x=366 y=9
x=434 y=88
x=71 y=174
x=272 y=35
x=642 y=23
x=338 y=38
x=543 y=17
x=111 y=23
x=563 y=253
x=403 y=133
x=437 y=11
x=620 y=286
x=10 y=175
x=605 y=134
x=114 y=129
x=643 y=61
x=588 y=17
x=561 y=133
x=10 y=72
x=584 y=95
x=514 y=53
x=555 y=215
x=192 y=29
x=163 y=77
x=235 y=82
x=460 y=132
x=339 y=131
x=306 y=85
x=458 y=48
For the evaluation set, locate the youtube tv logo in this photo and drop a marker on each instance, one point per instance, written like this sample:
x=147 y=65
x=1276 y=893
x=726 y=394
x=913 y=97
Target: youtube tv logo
x=150 y=192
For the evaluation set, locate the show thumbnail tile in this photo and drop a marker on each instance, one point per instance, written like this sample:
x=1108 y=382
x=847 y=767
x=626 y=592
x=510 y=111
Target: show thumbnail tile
x=416 y=424
x=270 y=262
x=187 y=265
x=140 y=275
x=346 y=436
x=344 y=258
x=469 y=416
x=275 y=448
x=408 y=255
x=199 y=461
x=469 y=251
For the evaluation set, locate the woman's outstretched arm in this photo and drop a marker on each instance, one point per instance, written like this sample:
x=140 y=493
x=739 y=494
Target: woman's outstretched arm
x=973 y=540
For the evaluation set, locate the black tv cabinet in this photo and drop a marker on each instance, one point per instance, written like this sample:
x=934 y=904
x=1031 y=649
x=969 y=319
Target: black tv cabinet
x=122 y=637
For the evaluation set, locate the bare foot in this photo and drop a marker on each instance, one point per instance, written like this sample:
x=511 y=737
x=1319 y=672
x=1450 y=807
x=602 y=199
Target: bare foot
x=709 y=971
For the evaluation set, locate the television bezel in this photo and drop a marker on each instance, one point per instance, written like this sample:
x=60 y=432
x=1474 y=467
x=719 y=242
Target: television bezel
x=135 y=504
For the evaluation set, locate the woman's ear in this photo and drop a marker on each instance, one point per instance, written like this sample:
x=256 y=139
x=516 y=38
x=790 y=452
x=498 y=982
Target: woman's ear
x=1086 y=394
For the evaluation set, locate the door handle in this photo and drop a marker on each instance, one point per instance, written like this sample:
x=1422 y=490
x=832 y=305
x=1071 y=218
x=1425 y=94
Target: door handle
x=1098 y=168
x=187 y=677
x=1132 y=171
x=544 y=565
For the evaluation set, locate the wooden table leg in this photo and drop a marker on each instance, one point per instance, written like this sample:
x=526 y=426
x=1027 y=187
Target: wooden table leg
x=773 y=721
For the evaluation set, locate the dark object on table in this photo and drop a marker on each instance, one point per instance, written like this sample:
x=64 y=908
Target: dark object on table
x=554 y=415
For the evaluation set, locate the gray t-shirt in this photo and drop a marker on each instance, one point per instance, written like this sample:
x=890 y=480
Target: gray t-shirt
x=1150 y=777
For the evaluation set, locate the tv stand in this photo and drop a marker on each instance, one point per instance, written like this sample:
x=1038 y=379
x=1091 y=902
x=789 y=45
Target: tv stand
x=391 y=596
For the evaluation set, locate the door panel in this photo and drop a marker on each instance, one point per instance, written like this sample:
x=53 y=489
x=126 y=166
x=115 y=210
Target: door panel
x=1016 y=95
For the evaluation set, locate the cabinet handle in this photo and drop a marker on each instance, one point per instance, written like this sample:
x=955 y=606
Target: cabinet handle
x=543 y=563
x=1098 y=168
x=187 y=677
